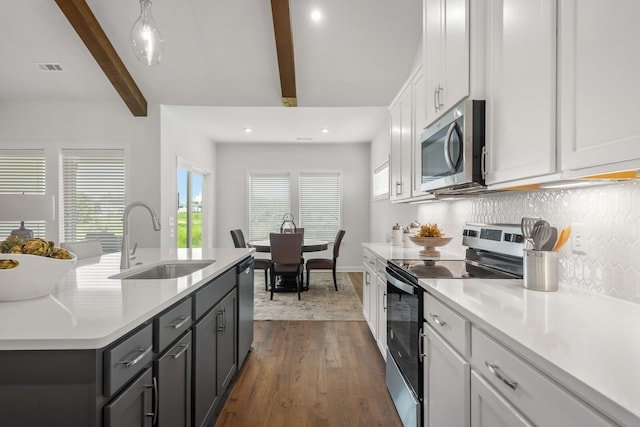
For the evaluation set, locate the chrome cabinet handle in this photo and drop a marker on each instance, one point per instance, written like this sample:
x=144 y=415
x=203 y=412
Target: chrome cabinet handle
x=421 y=336
x=495 y=370
x=143 y=353
x=384 y=301
x=181 y=352
x=183 y=320
x=483 y=163
x=447 y=147
x=435 y=102
x=436 y=98
x=398 y=184
x=154 y=397
x=247 y=270
x=436 y=319
x=221 y=327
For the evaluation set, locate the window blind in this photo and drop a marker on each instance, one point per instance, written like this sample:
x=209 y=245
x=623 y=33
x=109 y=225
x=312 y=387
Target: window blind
x=381 y=182
x=94 y=196
x=269 y=200
x=320 y=205
x=22 y=171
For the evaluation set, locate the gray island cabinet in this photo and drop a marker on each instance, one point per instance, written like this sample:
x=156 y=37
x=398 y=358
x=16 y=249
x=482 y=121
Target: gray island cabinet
x=172 y=369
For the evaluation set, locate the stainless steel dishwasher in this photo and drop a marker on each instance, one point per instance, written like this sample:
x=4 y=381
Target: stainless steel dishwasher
x=245 y=308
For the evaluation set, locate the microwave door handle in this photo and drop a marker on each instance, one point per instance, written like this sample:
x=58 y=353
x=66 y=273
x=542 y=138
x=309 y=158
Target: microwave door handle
x=447 y=147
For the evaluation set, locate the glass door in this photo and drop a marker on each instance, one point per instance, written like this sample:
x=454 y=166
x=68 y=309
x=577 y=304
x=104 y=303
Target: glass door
x=190 y=208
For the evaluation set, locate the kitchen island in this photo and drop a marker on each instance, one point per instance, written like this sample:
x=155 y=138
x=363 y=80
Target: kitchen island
x=119 y=352
x=577 y=345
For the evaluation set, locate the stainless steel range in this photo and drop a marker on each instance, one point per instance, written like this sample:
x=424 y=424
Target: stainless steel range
x=494 y=251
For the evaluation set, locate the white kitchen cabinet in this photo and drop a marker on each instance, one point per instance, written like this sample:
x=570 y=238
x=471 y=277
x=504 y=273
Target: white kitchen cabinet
x=367 y=291
x=521 y=90
x=381 y=307
x=401 y=145
x=446 y=382
x=599 y=87
x=489 y=409
x=446 y=54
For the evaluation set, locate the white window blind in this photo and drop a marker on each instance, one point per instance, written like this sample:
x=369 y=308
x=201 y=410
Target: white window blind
x=269 y=200
x=381 y=182
x=320 y=205
x=22 y=171
x=94 y=196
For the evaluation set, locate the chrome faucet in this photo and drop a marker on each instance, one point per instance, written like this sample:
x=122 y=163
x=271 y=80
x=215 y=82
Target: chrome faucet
x=125 y=258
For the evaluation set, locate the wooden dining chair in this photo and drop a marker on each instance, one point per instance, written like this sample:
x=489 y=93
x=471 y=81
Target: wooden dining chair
x=258 y=263
x=326 y=263
x=285 y=257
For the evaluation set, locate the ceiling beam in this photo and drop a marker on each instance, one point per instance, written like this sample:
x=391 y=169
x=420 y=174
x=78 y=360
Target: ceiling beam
x=86 y=25
x=284 y=48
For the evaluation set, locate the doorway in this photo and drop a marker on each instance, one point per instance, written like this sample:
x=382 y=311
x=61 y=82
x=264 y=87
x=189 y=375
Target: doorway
x=191 y=207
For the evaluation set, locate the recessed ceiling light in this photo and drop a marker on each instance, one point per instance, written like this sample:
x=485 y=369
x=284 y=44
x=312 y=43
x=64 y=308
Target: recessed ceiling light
x=316 y=15
x=248 y=130
x=324 y=130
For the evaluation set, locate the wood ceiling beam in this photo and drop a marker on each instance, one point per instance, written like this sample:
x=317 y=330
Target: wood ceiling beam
x=284 y=48
x=86 y=25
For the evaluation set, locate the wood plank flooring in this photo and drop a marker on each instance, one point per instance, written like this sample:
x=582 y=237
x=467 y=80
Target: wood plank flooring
x=311 y=373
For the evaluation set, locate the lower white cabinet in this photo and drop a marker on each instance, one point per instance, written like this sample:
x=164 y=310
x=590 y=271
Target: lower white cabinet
x=489 y=409
x=446 y=382
x=381 y=339
x=374 y=299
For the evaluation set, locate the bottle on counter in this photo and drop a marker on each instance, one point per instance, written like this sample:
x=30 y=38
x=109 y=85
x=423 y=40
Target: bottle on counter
x=396 y=235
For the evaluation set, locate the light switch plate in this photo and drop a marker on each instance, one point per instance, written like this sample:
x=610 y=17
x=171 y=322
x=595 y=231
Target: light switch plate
x=578 y=238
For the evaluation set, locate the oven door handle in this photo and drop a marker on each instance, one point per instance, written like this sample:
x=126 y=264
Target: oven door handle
x=403 y=286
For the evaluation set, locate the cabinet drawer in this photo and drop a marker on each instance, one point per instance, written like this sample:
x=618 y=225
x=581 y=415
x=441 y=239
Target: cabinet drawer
x=449 y=324
x=209 y=296
x=537 y=397
x=381 y=266
x=369 y=259
x=171 y=324
x=126 y=359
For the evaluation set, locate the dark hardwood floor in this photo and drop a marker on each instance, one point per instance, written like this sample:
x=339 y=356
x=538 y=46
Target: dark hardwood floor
x=311 y=373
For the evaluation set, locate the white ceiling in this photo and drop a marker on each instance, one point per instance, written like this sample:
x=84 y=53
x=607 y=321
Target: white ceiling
x=219 y=69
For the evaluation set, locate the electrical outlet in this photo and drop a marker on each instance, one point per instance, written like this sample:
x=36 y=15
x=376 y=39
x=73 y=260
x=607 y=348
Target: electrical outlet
x=578 y=239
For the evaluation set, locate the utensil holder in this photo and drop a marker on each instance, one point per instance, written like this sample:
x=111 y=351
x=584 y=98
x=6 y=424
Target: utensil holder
x=541 y=270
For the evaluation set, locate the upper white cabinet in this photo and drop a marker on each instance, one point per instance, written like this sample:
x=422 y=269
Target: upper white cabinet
x=402 y=137
x=599 y=86
x=446 y=54
x=521 y=89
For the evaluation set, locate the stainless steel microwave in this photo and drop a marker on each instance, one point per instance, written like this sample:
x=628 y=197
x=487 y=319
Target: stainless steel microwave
x=452 y=151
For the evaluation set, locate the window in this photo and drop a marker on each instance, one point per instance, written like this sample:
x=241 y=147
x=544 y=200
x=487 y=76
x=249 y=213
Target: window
x=190 y=207
x=269 y=200
x=314 y=199
x=381 y=182
x=320 y=205
x=22 y=171
x=93 y=188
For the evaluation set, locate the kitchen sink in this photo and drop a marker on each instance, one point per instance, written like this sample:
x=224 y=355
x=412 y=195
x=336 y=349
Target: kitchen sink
x=165 y=270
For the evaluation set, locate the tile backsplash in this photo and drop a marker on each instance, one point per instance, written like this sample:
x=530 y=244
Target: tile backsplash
x=609 y=216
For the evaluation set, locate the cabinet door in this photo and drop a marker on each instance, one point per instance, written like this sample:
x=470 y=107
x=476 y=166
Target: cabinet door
x=204 y=364
x=133 y=406
x=395 y=150
x=446 y=54
x=381 y=289
x=446 y=381
x=369 y=278
x=226 y=347
x=489 y=409
x=521 y=112
x=599 y=86
x=401 y=146
x=173 y=375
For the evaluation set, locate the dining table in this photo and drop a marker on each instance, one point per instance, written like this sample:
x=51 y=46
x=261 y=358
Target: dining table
x=308 y=245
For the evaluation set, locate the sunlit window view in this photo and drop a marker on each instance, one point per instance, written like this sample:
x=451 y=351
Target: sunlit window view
x=190 y=204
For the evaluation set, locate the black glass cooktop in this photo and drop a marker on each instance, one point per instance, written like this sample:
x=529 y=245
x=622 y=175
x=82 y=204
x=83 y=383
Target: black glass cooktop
x=449 y=269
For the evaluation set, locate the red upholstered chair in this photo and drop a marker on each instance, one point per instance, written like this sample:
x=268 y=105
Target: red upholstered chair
x=326 y=263
x=285 y=257
x=258 y=264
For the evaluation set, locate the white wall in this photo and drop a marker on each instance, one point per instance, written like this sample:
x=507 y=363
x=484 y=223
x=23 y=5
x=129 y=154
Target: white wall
x=181 y=141
x=235 y=160
x=58 y=125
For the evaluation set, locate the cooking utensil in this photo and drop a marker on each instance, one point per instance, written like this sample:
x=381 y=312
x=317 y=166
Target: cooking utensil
x=551 y=241
x=526 y=225
x=541 y=233
x=562 y=239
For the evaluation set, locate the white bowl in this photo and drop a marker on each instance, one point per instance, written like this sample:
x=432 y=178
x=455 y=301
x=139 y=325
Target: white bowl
x=34 y=276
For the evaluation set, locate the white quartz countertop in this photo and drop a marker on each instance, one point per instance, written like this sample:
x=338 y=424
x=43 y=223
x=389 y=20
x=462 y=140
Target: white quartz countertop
x=89 y=310
x=588 y=342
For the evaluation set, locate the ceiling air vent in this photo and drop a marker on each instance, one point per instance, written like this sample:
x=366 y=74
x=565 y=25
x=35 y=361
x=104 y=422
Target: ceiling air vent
x=46 y=66
x=301 y=138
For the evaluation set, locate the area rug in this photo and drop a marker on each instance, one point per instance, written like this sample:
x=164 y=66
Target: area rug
x=320 y=302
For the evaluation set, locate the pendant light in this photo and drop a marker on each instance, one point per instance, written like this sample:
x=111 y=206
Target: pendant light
x=146 y=40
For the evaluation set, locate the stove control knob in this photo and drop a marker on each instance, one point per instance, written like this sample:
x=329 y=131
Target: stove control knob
x=470 y=233
x=515 y=238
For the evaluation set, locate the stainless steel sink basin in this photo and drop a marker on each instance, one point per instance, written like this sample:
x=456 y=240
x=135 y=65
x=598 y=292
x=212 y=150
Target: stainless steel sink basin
x=166 y=270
